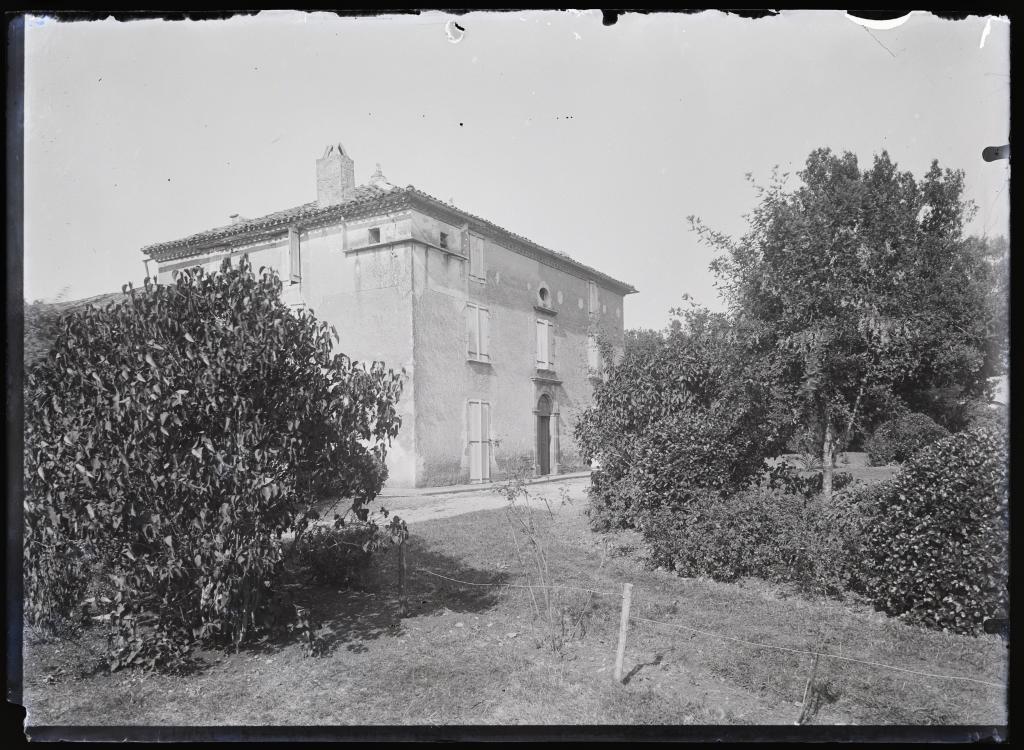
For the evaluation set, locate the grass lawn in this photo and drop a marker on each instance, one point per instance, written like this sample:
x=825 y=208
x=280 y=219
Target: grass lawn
x=479 y=655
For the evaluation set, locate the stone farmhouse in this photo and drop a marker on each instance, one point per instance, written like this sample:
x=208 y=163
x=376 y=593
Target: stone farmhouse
x=495 y=335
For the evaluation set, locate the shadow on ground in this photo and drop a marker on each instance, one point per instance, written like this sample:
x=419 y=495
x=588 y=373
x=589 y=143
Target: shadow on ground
x=369 y=608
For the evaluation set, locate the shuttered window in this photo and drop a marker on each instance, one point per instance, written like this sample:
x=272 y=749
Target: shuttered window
x=476 y=257
x=294 y=255
x=478 y=429
x=545 y=345
x=594 y=301
x=478 y=333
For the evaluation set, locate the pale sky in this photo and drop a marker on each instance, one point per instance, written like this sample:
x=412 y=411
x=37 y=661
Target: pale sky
x=595 y=141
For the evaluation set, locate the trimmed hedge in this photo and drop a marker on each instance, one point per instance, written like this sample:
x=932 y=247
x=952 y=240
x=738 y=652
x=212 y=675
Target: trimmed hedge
x=764 y=531
x=936 y=550
x=895 y=441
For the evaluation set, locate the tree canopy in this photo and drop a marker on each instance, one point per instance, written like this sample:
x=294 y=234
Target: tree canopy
x=863 y=285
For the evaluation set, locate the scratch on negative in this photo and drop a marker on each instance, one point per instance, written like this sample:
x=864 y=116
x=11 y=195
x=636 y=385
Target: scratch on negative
x=879 y=41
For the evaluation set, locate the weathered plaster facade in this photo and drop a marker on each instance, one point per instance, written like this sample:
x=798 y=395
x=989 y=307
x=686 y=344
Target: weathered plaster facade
x=493 y=333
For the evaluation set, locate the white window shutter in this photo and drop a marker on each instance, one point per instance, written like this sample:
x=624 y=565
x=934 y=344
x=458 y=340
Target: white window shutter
x=476 y=256
x=473 y=430
x=474 y=421
x=485 y=334
x=485 y=440
x=294 y=258
x=472 y=330
x=551 y=346
x=542 y=344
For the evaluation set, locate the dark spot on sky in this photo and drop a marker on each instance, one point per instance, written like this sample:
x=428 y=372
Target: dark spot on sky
x=460 y=124
x=459 y=27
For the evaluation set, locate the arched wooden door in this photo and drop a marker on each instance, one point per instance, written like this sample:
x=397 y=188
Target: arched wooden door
x=544 y=435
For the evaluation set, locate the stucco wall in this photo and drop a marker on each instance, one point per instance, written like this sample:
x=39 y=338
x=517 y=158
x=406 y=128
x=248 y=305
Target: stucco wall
x=446 y=378
x=365 y=293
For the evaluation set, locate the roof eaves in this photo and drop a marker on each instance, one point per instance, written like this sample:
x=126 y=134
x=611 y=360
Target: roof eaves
x=197 y=243
x=204 y=240
x=625 y=287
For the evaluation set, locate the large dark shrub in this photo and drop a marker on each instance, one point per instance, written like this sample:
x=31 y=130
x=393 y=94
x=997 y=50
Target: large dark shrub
x=935 y=551
x=681 y=414
x=171 y=440
x=340 y=555
x=898 y=439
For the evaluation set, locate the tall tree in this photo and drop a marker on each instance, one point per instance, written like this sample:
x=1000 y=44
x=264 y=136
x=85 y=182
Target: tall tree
x=860 y=282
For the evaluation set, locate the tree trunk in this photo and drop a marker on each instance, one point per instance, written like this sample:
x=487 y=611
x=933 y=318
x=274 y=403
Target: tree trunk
x=827 y=457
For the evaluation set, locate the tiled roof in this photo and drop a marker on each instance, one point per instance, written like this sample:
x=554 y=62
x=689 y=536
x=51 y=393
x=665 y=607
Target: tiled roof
x=201 y=240
x=364 y=197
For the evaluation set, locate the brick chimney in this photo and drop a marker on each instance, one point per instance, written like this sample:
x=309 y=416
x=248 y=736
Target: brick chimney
x=335 y=176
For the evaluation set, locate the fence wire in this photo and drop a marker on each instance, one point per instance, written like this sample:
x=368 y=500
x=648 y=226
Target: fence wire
x=816 y=653
x=516 y=585
x=722 y=636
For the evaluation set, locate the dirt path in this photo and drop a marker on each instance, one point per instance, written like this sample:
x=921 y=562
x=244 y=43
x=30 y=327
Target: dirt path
x=428 y=508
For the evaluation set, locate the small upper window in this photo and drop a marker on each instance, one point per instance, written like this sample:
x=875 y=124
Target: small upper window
x=544 y=296
x=444 y=241
x=375 y=236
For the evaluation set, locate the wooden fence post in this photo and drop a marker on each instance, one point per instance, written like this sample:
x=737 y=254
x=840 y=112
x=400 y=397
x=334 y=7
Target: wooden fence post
x=402 y=603
x=627 y=597
x=805 y=705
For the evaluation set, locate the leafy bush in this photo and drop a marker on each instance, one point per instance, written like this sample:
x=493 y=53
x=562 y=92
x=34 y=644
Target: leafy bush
x=995 y=418
x=681 y=414
x=611 y=500
x=935 y=552
x=795 y=482
x=898 y=439
x=171 y=439
x=339 y=555
x=763 y=531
